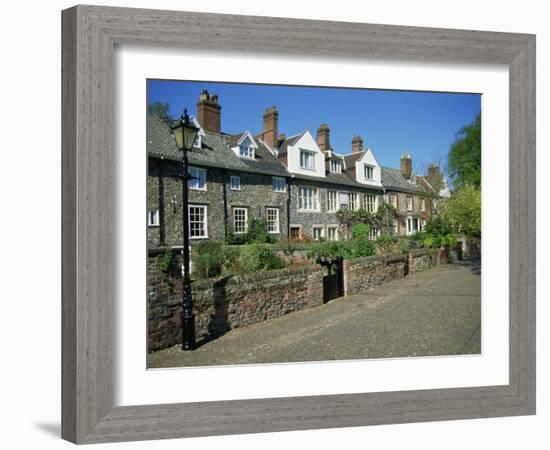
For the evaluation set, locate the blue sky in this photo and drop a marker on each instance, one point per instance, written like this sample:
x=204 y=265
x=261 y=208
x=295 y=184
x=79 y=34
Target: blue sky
x=390 y=122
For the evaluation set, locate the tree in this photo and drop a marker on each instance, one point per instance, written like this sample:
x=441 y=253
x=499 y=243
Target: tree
x=160 y=109
x=463 y=211
x=464 y=159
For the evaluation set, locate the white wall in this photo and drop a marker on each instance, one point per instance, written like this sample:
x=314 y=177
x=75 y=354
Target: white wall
x=30 y=88
x=306 y=142
x=368 y=158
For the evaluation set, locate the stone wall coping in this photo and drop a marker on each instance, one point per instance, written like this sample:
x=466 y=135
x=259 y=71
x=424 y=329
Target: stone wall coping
x=388 y=258
x=209 y=283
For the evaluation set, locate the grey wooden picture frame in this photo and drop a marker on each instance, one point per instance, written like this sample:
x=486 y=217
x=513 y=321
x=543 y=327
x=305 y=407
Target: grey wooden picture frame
x=90 y=34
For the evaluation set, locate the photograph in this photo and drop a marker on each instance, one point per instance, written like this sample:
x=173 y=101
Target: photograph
x=300 y=223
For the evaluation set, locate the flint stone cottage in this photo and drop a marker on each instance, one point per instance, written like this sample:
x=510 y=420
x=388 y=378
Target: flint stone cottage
x=295 y=184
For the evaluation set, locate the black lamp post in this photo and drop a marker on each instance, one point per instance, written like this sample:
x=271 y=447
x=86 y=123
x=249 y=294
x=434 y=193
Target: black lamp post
x=185 y=133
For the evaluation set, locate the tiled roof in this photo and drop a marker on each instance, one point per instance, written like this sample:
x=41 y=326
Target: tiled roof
x=392 y=179
x=352 y=158
x=289 y=141
x=215 y=151
x=337 y=178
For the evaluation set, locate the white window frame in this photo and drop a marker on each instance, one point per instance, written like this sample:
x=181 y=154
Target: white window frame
x=392 y=200
x=321 y=234
x=395 y=227
x=274 y=184
x=410 y=203
x=314 y=201
x=156 y=221
x=245 y=230
x=238 y=184
x=353 y=201
x=423 y=204
x=276 y=230
x=329 y=229
x=367 y=202
x=336 y=199
x=335 y=166
x=246 y=151
x=195 y=172
x=205 y=221
x=410 y=228
x=310 y=157
x=367 y=168
x=373 y=233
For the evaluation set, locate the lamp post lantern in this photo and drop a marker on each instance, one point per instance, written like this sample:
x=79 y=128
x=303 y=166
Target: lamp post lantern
x=185 y=132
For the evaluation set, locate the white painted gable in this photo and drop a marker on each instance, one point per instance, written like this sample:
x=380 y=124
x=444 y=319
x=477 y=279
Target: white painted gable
x=370 y=160
x=306 y=143
x=246 y=140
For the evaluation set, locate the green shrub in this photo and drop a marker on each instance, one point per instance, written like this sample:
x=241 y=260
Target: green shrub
x=362 y=247
x=165 y=261
x=288 y=247
x=208 y=259
x=360 y=231
x=257 y=232
x=438 y=226
x=328 y=249
x=385 y=243
x=256 y=257
x=230 y=259
x=448 y=241
x=404 y=245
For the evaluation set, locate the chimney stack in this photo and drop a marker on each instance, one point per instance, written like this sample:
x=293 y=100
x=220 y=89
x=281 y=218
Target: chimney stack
x=271 y=125
x=323 y=137
x=209 y=112
x=406 y=165
x=433 y=172
x=356 y=144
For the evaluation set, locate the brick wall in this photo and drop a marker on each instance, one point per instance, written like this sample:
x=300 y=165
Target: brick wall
x=224 y=304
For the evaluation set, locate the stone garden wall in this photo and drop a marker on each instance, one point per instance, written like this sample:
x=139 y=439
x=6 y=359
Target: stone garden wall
x=227 y=303
x=361 y=274
x=232 y=302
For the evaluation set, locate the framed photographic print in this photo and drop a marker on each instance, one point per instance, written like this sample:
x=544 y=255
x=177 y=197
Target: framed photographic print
x=265 y=230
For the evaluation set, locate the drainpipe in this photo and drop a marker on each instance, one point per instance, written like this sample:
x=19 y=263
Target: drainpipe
x=224 y=204
x=288 y=200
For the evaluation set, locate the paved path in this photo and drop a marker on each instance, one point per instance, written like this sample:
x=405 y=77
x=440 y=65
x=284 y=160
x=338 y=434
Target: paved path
x=436 y=312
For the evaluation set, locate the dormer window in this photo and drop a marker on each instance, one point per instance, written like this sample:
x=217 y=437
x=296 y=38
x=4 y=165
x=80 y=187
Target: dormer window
x=335 y=166
x=369 y=172
x=246 y=151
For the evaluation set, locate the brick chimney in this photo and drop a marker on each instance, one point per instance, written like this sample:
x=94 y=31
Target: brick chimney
x=406 y=165
x=271 y=125
x=323 y=137
x=356 y=144
x=209 y=112
x=433 y=172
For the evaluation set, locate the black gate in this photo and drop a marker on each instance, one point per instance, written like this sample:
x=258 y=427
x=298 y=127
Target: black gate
x=333 y=281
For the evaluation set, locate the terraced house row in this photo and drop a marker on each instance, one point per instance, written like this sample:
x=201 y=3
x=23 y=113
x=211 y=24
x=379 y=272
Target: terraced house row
x=295 y=184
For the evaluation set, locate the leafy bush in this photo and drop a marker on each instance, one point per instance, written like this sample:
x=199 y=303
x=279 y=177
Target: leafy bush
x=438 y=226
x=360 y=231
x=257 y=232
x=362 y=247
x=404 y=245
x=432 y=241
x=256 y=257
x=328 y=249
x=165 y=261
x=208 y=259
x=287 y=246
x=385 y=243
